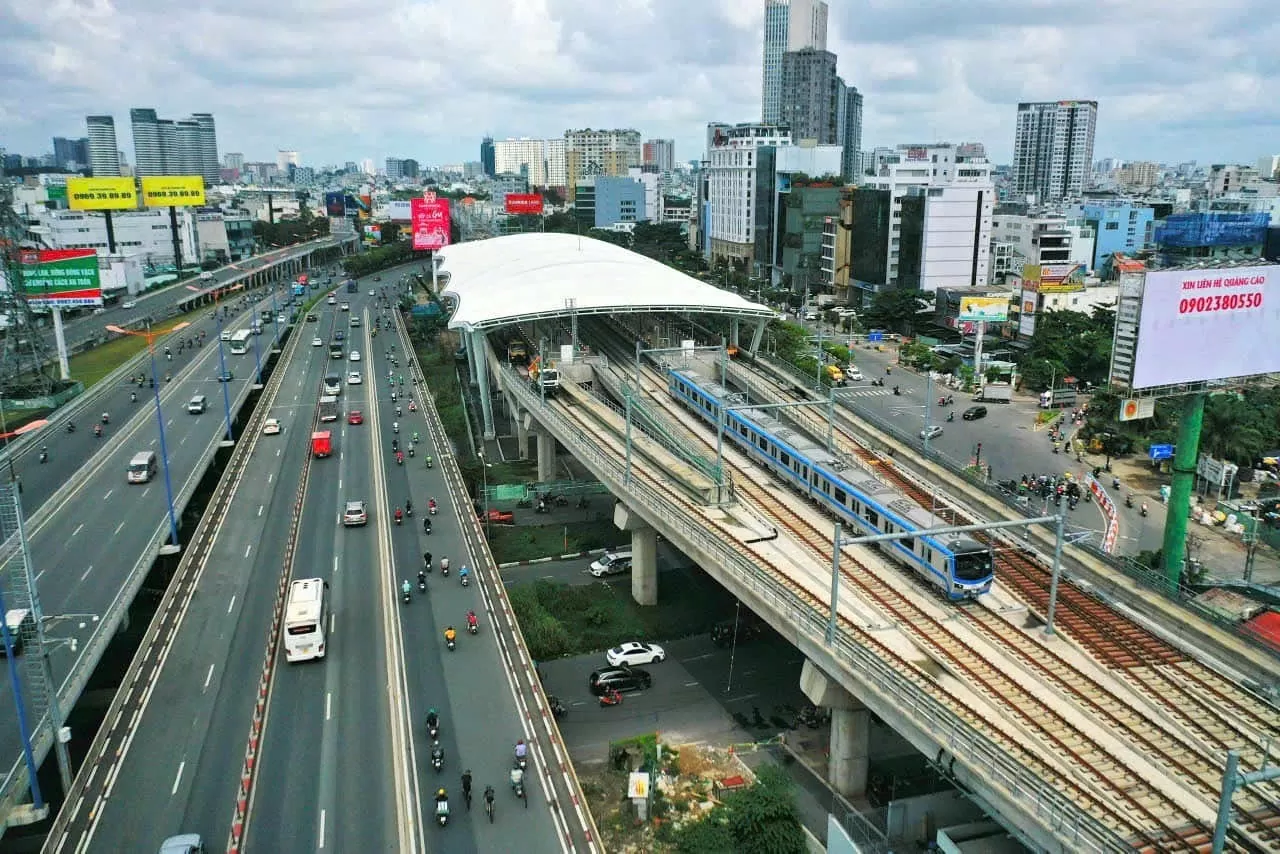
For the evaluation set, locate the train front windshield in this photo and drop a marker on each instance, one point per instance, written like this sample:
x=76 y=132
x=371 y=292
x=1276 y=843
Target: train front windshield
x=974 y=566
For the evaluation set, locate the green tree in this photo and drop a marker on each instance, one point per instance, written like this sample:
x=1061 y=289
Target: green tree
x=1233 y=430
x=1068 y=343
x=708 y=835
x=763 y=818
x=895 y=310
x=562 y=222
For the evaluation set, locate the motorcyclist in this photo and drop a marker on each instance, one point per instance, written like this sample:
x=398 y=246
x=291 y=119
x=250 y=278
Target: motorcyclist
x=133 y=397
x=951 y=416
x=422 y=577
x=395 y=444
x=106 y=419
x=450 y=635
x=442 y=802
x=433 y=719
x=431 y=504
x=399 y=515
x=444 y=564
x=471 y=619
x=395 y=426
x=517 y=777
x=408 y=506
x=44 y=453
x=406 y=588
x=415 y=437
x=426 y=560
x=522 y=750
x=71 y=426
x=466 y=784
x=97 y=429
x=488 y=796
x=464 y=572
x=437 y=753
x=426 y=524
x=400 y=457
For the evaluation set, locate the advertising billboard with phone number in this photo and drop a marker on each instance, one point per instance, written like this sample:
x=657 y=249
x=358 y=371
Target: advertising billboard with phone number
x=430 y=218
x=1200 y=325
x=61 y=277
x=524 y=203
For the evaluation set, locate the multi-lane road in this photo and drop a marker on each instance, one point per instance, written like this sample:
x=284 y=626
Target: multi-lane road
x=344 y=761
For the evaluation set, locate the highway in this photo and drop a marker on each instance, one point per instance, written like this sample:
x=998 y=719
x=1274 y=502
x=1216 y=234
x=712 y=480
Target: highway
x=87 y=540
x=334 y=770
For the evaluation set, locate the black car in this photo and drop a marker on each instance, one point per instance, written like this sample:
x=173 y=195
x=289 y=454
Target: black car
x=619 y=678
x=311 y=318
x=226 y=377
x=973 y=413
x=339 y=335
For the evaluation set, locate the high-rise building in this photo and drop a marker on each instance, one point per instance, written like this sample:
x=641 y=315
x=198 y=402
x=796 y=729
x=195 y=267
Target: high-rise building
x=1053 y=148
x=208 y=146
x=740 y=186
x=557 y=165
x=599 y=152
x=148 y=142
x=487 y=156
x=659 y=153
x=286 y=158
x=233 y=160
x=523 y=156
x=851 y=135
x=186 y=158
x=70 y=153
x=104 y=159
x=395 y=168
x=789 y=25
x=367 y=167
x=809 y=95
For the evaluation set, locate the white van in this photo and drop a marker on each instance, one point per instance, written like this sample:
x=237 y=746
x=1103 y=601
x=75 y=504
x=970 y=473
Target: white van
x=21 y=624
x=611 y=563
x=142 y=467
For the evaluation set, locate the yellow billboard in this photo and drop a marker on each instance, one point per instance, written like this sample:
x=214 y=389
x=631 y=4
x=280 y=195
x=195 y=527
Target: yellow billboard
x=1053 y=278
x=989 y=309
x=162 y=191
x=102 y=194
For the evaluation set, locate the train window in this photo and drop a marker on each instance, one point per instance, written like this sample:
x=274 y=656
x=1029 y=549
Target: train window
x=763 y=443
x=973 y=566
x=784 y=458
x=909 y=543
x=841 y=497
x=873 y=517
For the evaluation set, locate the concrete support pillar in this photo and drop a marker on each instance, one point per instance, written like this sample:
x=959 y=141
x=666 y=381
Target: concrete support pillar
x=734 y=324
x=850 y=750
x=473 y=358
x=644 y=554
x=486 y=400
x=758 y=336
x=523 y=422
x=546 y=456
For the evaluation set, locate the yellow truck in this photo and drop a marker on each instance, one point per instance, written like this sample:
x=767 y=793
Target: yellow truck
x=834 y=374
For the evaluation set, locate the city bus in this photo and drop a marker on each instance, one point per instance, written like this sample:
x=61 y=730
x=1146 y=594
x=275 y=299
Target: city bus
x=240 y=342
x=305 y=616
x=328 y=408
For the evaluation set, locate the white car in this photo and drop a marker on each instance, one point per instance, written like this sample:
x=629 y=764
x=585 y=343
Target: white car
x=355 y=355
x=271 y=427
x=332 y=300
x=354 y=378
x=370 y=293
x=635 y=652
x=853 y=373
x=346 y=306
x=316 y=342
x=225 y=336
x=129 y=304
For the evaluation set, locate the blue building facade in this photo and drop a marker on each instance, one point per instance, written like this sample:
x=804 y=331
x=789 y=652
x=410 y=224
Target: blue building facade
x=618 y=199
x=1211 y=235
x=1120 y=227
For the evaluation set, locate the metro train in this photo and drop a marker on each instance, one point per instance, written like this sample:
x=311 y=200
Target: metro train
x=958 y=565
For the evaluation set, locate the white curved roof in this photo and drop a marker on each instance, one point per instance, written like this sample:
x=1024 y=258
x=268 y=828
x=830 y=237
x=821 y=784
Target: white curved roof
x=522 y=277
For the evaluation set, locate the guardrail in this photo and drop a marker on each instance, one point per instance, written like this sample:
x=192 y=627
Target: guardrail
x=1057 y=815
x=104 y=630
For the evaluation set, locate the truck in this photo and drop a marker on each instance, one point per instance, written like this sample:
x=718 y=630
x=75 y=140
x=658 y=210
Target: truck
x=321 y=443
x=996 y=393
x=299 y=288
x=328 y=408
x=517 y=353
x=352 y=287
x=834 y=374
x=544 y=380
x=1057 y=398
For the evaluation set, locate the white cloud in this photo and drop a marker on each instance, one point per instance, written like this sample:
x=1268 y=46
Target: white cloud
x=340 y=79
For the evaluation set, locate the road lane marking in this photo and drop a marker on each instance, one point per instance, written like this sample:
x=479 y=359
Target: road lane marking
x=260 y=507
x=248 y=549
x=170 y=424
x=271 y=477
x=78 y=529
x=40 y=573
x=118 y=527
x=232 y=603
x=178 y=778
x=328 y=705
x=690 y=684
x=742 y=698
x=322 y=814
x=85 y=574
x=333 y=623
x=698 y=657
x=108 y=495
x=335 y=564
x=208 y=678
x=152 y=442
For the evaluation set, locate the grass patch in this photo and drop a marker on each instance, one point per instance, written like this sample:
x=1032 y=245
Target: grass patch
x=560 y=619
x=91 y=366
x=530 y=542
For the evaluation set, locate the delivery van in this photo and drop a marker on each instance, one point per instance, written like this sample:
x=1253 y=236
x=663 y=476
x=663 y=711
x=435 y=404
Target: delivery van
x=142 y=467
x=21 y=624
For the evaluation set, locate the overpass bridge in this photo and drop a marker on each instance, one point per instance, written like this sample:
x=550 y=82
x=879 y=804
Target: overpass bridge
x=1074 y=747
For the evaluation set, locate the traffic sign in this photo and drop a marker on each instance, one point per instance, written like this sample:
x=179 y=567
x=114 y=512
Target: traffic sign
x=1160 y=452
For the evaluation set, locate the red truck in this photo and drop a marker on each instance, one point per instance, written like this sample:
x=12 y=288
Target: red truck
x=321 y=443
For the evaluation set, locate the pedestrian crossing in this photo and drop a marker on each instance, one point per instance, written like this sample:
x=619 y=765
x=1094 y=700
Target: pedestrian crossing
x=853 y=391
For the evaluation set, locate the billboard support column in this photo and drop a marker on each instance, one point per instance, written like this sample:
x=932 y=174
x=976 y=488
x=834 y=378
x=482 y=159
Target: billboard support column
x=979 y=333
x=1184 y=472
x=111 y=233
x=177 y=240
x=60 y=343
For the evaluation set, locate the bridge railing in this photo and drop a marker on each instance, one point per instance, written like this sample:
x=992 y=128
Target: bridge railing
x=984 y=757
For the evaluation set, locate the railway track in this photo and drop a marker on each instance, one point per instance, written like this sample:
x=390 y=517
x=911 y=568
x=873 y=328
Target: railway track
x=1065 y=737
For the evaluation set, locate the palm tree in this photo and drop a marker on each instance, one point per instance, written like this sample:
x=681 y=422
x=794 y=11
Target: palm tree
x=1229 y=431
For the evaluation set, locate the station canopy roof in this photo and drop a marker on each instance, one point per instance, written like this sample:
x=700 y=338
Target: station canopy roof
x=523 y=277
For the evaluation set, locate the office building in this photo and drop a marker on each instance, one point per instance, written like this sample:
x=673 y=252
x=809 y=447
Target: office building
x=71 y=153
x=599 y=152
x=487 y=157
x=789 y=25
x=1269 y=167
x=187 y=158
x=1225 y=179
x=557 y=163
x=233 y=160
x=739 y=193
x=208 y=146
x=285 y=159
x=1053 y=149
x=523 y=156
x=167 y=147
x=810 y=95
x=660 y=154
x=104 y=157
x=394 y=168
x=144 y=233
x=850 y=139
x=1119 y=226
x=958 y=199
x=609 y=201
x=148 y=145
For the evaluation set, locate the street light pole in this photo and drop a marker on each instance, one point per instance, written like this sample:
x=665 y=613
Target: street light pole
x=222 y=380
x=164 y=451
x=257 y=359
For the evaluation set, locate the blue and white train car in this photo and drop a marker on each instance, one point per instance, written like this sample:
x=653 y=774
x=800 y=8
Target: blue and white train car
x=958 y=565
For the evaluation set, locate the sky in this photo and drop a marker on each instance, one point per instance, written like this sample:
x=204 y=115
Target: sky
x=341 y=80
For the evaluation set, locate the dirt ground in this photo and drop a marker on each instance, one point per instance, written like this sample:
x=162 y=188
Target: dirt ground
x=691 y=791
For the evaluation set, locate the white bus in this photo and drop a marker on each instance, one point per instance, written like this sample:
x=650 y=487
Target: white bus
x=305 y=617
x=328 y=408
x=240 y=342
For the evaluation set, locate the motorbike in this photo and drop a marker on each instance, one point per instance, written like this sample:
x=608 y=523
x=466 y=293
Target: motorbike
x=517 y=782
x=71 y=427
x=437 y=760
x=611 y=698
x=408 y=509
x=465 y=577
x=897 y=390
x=399 y=517
x=426 y=526
x=1128 y=501
x=442 y=812
x=97 y=431
x=557 y=707
x=105 y=418
x=444 y=566
x=951 y=416
x=411 y=450
x=399 y=458
x=428 y=461
x=1143 y=511
x=474 y=628
x=44 y=456
x=431 y=507
x=404 y=595
x=450 y=643
x=433 y=730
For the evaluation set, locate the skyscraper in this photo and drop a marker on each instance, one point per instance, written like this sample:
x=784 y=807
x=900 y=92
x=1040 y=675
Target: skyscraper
x=488 y=156
x=103 y=157
x=148 y=143
x=809 y=95
x=1053 y=148
x=70 y=152
x=789 y=25
x=851 y=134
x=208 y=146
x=660 y=154
x=599 y=152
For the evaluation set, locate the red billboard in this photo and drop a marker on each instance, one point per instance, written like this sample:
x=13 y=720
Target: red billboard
x=430 y=220
x=524 y=203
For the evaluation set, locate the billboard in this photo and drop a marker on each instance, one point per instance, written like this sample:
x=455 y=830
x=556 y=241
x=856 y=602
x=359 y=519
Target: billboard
x=373 y=235
x=335 y=204
x=990 y=309
x=61 y=277
x=399 y=211
x=524 y=203
x=102 y=194
x=1137 y=408
x=1053 y=278
x=430 y=222
x=1198 y=325
x=162 y=191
